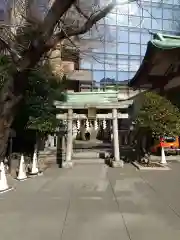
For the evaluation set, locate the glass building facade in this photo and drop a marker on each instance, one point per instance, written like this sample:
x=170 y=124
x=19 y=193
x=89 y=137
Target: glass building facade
x=118 y=43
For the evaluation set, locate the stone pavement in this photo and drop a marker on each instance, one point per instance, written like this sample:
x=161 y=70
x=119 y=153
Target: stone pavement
x=93 y=202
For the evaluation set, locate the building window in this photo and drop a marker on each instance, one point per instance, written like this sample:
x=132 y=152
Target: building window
x=167 y=13
x=98 y=61
x=134 y=49
x=110 y=66
x=143 y=49
x=110 y=19
x=146 y=23
x=122 y=20
x=2 y=15
x=145 y=38
x=134 y=58
x=122 y=64
x=177 y=2
x=98 y=76
x=168 y=1
x=98 y=65
x=156 y=12
x=122 y=76
x=122 y=9
x=110 y=33
x=157 y=24
x=134 y=21
x=134 y=9
x=134 y=37
x=175 y=26
x=110 y=48
x=110 y=75
x=86 y=63
x=122 y=36
x=123 y=48
x=122 y=56
x=146 y=11
x=131 y=74
x=176 y=14
x=134 y=65
x=110 y=62
x=167 y=25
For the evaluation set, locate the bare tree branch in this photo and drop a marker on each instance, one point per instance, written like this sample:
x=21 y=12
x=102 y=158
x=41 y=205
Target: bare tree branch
x=80 y=11
x=93 y=19
x=46 y=29
x=5 y=46
x=54 y=15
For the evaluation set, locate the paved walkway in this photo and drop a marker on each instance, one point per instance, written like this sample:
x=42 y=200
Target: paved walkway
x=93 y=202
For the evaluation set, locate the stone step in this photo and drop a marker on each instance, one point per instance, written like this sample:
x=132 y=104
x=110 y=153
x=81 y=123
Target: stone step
x=90 y=154
x=47 y=157
x=47 y=152
x=77 y=150
x=88 y=161
x=86 y=154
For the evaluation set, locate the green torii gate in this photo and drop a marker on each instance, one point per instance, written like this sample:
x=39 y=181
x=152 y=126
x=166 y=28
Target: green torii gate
x=111 y=105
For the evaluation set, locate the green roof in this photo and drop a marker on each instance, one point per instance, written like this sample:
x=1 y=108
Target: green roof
x=92 y=97
x=165 y=41
x=158 y=44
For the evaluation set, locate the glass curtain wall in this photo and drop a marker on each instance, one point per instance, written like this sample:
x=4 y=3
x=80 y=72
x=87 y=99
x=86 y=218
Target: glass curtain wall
x=118 y=43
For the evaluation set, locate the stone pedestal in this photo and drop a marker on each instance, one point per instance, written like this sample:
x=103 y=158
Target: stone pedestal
x=67 y=164
x=117 y=162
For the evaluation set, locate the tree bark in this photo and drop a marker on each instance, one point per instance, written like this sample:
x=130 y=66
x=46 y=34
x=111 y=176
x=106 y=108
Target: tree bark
x=4 y=135
x=10 y=97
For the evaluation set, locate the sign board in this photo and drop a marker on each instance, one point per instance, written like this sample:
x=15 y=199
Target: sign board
x=91 y=113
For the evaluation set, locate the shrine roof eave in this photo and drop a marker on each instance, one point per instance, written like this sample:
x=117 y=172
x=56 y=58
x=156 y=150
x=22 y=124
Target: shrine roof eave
x=162 y=53
x=120 y=105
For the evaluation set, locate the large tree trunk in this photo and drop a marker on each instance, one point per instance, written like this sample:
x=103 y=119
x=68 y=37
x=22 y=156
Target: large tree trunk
x=4 y=135
x=10 y=97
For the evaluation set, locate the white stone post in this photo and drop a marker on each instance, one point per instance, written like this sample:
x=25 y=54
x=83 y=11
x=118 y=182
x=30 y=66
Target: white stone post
x=69 y=144
x=117 y=162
